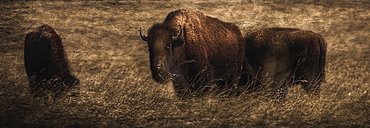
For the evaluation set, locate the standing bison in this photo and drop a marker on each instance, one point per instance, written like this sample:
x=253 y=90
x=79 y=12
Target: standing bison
x=195 y=52
x=282 y=56
x=46 y=62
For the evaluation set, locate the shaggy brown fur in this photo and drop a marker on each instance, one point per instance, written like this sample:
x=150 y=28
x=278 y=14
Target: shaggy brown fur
x=195 y=52
x=46 y=62
x=285 y=55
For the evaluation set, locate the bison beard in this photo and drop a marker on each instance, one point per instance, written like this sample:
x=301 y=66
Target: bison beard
x=284 y=56
x=196 y=52
x=46 y=62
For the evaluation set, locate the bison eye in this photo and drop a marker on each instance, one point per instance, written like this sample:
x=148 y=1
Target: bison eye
x=169 y=46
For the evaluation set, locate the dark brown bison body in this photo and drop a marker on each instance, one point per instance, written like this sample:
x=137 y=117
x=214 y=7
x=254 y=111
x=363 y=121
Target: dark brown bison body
x=195 y=51
x=46 y=62
x=285 y=55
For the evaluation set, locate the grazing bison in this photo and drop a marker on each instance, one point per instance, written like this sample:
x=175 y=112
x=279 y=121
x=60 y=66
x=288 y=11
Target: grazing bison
x=285 y=55
x=195 y=52
x=46 y=62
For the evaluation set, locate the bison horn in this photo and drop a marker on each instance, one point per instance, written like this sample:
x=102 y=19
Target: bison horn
x=179 y=39
x=145 y=38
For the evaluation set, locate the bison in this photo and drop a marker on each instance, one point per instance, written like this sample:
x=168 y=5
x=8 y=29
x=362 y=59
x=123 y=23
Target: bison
x=46 y=62
x=284 y=56
x=195 y=52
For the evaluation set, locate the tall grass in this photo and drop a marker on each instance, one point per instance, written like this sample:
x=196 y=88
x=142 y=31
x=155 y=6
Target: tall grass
x=102 y=42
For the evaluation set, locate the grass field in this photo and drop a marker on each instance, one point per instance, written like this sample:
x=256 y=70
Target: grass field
x=106 y=53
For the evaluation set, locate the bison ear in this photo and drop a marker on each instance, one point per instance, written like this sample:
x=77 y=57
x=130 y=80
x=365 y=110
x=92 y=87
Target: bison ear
x=178 y=40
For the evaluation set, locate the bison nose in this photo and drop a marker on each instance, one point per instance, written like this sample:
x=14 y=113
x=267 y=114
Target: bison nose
x=158 y=65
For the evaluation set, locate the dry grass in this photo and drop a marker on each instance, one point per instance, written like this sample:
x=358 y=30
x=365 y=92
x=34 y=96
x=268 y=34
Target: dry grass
x=107 y=55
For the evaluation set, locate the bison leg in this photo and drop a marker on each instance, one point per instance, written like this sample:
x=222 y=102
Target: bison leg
x=309 y=75
x=277 y=74
x=183 y=86
x=198 y=84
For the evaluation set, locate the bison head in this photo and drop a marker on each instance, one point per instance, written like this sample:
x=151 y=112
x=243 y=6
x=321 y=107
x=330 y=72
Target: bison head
x=161 y=41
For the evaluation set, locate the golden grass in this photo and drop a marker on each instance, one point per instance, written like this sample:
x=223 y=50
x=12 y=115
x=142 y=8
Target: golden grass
x=106 y=53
